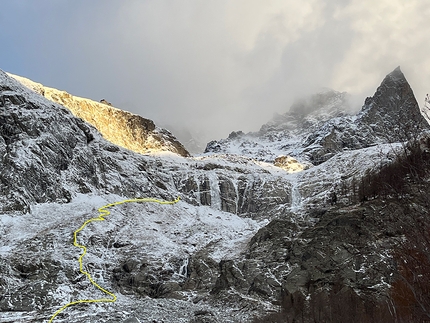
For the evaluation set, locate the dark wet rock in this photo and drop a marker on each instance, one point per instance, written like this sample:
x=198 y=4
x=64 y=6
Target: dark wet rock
x=27 y=284
x=205 y=192
x=228 y=195
x=143 y=278
x=229 y=276
x=203 y=272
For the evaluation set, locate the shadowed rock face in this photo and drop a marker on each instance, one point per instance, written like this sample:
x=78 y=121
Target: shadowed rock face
x=120 y=127
x=392 y=102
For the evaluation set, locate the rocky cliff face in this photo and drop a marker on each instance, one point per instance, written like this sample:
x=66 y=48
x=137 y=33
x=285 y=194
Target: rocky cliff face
x=248 y=238
x=48 y=155
x=120 y=127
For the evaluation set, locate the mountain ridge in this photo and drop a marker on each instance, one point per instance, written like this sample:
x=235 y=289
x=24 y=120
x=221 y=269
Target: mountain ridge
x=120 y=127
x=391 y=115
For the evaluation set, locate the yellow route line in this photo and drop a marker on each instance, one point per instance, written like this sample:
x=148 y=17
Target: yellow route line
x=103 y=212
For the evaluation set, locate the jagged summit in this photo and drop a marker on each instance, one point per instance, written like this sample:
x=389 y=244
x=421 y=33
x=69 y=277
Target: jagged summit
x=391 y=115
x=396 y=74
x=120 y=127
x=318 y=127
x=393 y=112
x=393 y=96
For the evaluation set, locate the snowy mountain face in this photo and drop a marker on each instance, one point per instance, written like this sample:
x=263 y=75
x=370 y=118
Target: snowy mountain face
x=284 y=134
x=57 y=169
x=249 y=240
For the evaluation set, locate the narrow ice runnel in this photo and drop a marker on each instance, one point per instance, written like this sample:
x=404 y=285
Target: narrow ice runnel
x=183 y=270
x=215 y=191
x=296 y=197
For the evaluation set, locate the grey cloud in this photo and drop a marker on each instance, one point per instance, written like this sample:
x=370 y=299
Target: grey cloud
x=212 y=66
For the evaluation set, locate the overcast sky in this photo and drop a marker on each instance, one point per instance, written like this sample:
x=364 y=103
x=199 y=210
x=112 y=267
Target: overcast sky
x=215 y=66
